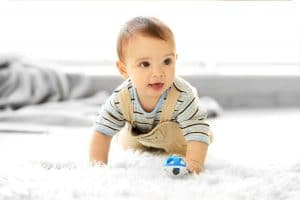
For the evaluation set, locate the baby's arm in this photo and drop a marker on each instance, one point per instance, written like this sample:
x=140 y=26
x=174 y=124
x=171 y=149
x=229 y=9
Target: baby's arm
x=195 y=155
x=99 y=148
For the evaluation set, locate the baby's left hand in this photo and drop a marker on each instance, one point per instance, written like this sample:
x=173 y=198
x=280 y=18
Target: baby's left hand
x=194 y=166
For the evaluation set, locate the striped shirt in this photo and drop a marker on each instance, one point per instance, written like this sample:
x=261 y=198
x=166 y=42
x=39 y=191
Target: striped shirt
x=187 y=113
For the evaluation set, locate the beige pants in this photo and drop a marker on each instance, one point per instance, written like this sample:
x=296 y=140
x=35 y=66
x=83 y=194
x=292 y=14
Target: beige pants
x=166 y=138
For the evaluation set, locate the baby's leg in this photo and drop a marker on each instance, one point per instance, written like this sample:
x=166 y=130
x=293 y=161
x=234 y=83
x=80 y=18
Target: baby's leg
x=127 y=141
x=167 y=136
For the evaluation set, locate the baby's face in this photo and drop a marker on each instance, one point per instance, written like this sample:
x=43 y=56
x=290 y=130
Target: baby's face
x=150 y=64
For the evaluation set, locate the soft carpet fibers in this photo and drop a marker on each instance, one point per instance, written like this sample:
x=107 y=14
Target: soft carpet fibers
x=254 y=156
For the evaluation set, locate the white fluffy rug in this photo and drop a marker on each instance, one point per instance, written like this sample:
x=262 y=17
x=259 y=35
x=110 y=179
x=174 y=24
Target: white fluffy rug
x=254 y=156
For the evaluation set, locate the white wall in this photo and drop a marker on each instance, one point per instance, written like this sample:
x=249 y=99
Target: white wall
x=206 y=31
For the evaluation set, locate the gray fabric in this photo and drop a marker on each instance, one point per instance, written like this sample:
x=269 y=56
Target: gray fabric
x=23 y=83
x=71 y=113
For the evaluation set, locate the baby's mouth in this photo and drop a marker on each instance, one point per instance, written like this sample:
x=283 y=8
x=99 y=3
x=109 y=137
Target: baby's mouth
x=156 y=86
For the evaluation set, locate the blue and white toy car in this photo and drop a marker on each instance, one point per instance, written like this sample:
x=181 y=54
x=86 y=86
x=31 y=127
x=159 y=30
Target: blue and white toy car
x=175 y=166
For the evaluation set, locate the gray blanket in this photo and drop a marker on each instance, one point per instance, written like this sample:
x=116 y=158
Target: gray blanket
x=23 y=83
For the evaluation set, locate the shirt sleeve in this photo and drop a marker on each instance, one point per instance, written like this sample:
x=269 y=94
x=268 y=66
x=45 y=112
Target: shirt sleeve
x=192 y=118
x=110 y=118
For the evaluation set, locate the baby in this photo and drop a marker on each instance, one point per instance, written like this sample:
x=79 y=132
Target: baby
x=152 y=109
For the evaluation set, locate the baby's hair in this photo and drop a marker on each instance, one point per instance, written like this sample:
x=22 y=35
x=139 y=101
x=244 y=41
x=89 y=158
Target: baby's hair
x=147 y=26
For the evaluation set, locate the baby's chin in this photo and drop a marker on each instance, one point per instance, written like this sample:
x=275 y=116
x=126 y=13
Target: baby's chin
x=149 y=92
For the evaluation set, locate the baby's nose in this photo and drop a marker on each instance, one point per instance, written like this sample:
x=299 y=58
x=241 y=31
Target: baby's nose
x=157 y=71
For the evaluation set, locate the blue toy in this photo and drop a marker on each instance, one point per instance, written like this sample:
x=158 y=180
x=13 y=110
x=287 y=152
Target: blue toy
x=175 y=166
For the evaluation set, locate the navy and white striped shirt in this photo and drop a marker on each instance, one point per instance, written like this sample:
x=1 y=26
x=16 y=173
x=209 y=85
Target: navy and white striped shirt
x=187 y=113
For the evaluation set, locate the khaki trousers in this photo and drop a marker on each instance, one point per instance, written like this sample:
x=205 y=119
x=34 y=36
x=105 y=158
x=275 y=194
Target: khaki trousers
x=166 y=137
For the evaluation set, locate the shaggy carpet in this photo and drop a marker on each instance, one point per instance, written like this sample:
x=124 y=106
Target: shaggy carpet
x=254 y=156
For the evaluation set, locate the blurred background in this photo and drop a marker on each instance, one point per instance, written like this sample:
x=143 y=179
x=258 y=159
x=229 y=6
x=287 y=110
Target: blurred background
x=246 y=49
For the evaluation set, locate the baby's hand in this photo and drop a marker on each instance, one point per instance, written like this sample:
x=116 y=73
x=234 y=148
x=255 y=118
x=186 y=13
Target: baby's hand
x=194 y=166
x=97 y=164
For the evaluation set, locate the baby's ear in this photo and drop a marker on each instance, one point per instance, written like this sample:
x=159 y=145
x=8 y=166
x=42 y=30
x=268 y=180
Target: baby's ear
x=122 y=69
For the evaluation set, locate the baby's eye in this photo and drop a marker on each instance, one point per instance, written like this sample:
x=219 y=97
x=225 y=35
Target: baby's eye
x=168 y=61
x=144 y=64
